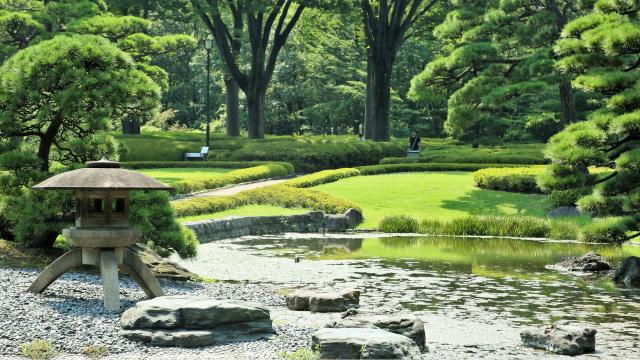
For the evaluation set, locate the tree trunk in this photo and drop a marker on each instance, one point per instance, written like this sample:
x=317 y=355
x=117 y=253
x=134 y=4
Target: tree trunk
x=233 y=106
x=46 y=141
x=255 y=108
x=131 y=127
x=369 y=121
x=568 y=104
x=381 y=100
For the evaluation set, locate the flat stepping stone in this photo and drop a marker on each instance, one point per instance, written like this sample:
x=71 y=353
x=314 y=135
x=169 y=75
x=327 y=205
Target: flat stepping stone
x=363 y=343
x=407 y=325
x=563 y=340
x=589 y=262
x=323 y=301
x=628 y=273
x=188 y=321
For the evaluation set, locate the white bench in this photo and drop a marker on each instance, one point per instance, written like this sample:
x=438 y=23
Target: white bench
x=204 y=152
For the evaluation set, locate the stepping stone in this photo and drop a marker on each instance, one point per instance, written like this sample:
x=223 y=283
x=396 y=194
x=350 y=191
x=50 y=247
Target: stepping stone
x=323 y=301
x=628 y=273
x=563 y=340
x=363 y=343
x=589 y=262
x=188 y=321
x=409 y=326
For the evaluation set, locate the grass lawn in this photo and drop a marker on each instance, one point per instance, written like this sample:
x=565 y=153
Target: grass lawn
x=171 y=175
x=436 y=194
x=248 y=210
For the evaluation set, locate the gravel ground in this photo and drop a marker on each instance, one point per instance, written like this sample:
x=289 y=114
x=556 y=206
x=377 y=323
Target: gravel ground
x=70 y=314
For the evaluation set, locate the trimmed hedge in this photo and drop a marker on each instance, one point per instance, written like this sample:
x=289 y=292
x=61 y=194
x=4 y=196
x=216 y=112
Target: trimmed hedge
x=512 y=226
x=395 y=168
x=517 y=179
x=468 y=158
x=276 y=195
x=322 y=177
x=194 y=164
x=234 y=177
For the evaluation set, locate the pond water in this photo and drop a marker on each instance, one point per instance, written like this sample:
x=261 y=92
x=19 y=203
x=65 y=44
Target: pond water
x=487 y=279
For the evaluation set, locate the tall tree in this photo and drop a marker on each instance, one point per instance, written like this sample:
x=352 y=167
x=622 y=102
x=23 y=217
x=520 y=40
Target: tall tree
x=602 y=50
x=386 y=23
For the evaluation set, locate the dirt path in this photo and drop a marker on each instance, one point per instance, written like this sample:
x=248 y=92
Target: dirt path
x=232 y=190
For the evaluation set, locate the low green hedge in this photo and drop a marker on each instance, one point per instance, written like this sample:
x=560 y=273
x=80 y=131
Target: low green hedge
x=322 y=177
x=234 y=177
x=276 y=195
x=516 y=179
x=512 y=226
x=134 y=165
x=395 y=168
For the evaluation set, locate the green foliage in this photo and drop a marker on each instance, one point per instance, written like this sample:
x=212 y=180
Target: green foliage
x=152 y=214
x=601 y=48
x=322 y=177
x=302 y=354
x=192 y=164
x=520 y=179
x=420 y=167
x=95 y=352
x=38 y=349
x=267 y=171
x=398 y=224
x=510 y=226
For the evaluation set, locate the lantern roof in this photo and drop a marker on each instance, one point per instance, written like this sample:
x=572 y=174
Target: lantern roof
x=101 y=175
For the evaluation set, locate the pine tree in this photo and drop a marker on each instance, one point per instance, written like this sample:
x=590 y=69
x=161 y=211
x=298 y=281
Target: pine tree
x=602 y=50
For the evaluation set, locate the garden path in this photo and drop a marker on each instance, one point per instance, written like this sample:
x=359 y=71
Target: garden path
x=232 y=190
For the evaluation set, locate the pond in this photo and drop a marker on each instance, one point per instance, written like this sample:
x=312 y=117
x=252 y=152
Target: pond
x=485 y=279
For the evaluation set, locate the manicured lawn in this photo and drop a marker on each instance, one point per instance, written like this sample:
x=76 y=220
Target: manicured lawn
x=248 y=210
x=434 y=194
x=171 y=175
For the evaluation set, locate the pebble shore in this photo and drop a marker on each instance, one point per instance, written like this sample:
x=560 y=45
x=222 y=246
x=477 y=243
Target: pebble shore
x=70 y=314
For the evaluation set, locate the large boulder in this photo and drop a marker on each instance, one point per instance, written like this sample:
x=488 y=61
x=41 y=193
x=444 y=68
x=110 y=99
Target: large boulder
x=160 y=267
x=336 y=223
x=354 y=217
x=563 y=340
x=628 y=273
x=409 y=326
x=188 y=321
x=363 y=343
x=322 y=300
x=589 y=262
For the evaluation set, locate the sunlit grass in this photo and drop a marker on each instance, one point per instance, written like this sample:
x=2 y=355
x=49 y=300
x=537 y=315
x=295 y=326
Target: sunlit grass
x=171 y=175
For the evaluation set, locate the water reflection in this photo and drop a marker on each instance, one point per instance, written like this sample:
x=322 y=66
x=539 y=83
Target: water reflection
x=482 y=279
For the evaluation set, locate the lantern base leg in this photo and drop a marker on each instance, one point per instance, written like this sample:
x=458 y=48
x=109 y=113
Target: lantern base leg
x=52 y=272
x=110 y=284
x=141 y=274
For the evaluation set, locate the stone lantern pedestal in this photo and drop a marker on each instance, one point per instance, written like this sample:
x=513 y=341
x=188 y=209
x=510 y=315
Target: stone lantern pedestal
x=102 y=234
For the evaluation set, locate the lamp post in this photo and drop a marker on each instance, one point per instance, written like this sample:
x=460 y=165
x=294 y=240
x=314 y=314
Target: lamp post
x=208 y=44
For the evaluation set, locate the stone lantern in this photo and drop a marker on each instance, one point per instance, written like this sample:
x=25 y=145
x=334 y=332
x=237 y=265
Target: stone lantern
x=102 y=233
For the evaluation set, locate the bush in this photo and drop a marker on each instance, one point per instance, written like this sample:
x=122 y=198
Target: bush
x=559 y=198
x=610 y=230
x=418 y=167
x=322 y=177
x=38 y=349
x=520 y=154
x=518 y=179
x=398 y=224
x=192 y=164
x=152 y=214
x=234 y=177
x=277 y=195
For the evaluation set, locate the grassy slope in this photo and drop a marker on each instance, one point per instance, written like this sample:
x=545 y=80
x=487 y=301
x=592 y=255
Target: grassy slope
x=437 y=194
x=248 y=210
x=171 y=175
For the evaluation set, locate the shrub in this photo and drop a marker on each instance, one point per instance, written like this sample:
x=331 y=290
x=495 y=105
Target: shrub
x=192 y=164
x=417 y=167
x=518 y=179
x=207 y=205
x=38 y=349
x=527 y=154
x=559 y=198
x=234 y=177
x=608 y=230
x=152 y=214
x=398 y=224
x=322 y=177
x=95 y=352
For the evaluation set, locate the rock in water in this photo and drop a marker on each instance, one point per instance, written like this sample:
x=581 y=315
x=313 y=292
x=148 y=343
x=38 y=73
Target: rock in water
x=336 y=223
x=409 y=326
x=323 y=301
x=160 y=267
x=187 y=321
x=353 y=343
x=589 y=262
x=629 y=272
x=561 y=340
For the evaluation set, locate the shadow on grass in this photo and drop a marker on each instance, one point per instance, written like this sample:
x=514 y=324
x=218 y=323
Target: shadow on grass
x=487 y=202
